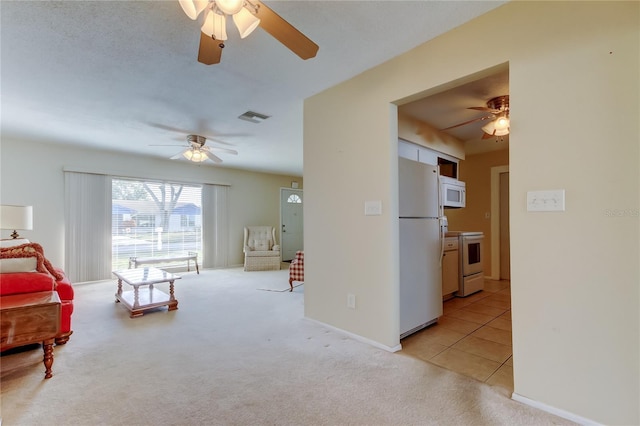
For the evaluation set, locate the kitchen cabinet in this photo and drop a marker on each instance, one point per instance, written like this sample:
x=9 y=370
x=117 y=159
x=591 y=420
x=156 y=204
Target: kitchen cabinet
x=450 y=268
x=448 y=165
x=417 y=153
x=407 y=150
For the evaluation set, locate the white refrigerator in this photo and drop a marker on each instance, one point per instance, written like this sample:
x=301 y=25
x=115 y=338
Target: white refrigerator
x=420 y=246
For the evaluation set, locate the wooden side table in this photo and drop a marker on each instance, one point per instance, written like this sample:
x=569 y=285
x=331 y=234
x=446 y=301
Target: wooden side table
x=31 y=318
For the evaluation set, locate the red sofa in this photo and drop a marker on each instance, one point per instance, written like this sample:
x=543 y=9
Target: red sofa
x=33 y=281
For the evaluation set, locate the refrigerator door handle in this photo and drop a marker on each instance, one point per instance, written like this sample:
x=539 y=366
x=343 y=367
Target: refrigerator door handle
x=442 y=217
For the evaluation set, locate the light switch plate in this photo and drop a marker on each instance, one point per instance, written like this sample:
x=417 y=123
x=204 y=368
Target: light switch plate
x=373 y=208
x=545 y=201
x=351 y=301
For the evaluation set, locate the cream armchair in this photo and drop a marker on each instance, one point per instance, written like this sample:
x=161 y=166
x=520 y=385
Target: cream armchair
x=261 y=253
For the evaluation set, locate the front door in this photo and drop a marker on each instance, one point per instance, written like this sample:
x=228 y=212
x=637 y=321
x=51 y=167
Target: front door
x=291 y=237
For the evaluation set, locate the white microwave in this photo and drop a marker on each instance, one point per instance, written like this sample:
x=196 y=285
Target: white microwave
x=452 y=192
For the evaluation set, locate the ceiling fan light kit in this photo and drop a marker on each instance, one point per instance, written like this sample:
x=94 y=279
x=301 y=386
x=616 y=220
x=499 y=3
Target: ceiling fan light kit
x=194 y=155
x=215 y=25
x=246 y=22
x=247 y=16
x=502 y=123
x=230 y=7
x=499 y=125
x=197 y=152
x=193 y=8
x=492 y=130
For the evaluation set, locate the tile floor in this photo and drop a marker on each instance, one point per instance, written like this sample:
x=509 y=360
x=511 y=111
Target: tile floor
x=473 y=337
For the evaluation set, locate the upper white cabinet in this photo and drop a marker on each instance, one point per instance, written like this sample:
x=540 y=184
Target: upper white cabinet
x=417 y=153
x=407 y=150
x=448 y=164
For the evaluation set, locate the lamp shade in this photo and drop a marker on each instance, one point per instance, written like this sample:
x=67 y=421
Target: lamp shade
x=215 y=25
x=192 y=8
x=230 y=7
x=501 y=123
x=246 y=22
x=16 y=217
x=195 y=155
x=492 y=129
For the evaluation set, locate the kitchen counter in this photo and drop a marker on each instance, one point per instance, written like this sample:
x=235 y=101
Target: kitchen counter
x=462 y=233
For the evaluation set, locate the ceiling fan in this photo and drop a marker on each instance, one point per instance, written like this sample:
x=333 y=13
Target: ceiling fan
x=247 y=16
x=498 y=108
x=197 y=152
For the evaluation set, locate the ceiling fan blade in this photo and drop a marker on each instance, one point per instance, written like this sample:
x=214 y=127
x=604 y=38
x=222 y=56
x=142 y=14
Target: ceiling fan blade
x=219 y=148
x=203 y=128
x=491 y=110
x=210 y=50
x=169 y=128
x=178 y=155
x=165 y=145
x=223 y=142
x=212 y=156
x=486 y=135
x=284 y=32
x=467 y=122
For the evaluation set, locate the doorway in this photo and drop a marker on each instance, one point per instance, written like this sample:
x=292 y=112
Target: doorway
x=505 y=249
x=500 y=237
x=474 y=335
x=291 y=223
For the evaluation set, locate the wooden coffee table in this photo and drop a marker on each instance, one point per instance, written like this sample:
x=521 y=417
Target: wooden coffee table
x=31 y=318
x=147 y=297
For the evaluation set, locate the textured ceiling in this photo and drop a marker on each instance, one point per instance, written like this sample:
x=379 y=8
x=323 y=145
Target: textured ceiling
x=451 y=107
x=123 y=75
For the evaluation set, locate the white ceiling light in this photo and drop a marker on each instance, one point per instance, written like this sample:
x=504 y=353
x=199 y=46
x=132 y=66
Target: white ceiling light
x=193 y=8
x=502 y=123
x=492 y=128
x=215 y=20
x=195 y=155
x=246 y=22
x=230 y=7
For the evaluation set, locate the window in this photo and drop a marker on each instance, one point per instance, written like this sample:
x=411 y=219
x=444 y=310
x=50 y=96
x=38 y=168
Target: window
x=294 y=199
x=187 y=220
x=154 y=219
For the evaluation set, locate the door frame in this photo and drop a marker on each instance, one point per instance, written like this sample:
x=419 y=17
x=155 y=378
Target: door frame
x=282 y=188
x=495 y=220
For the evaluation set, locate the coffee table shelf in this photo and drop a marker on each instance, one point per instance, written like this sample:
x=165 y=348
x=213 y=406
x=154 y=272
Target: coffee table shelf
x=144 y=295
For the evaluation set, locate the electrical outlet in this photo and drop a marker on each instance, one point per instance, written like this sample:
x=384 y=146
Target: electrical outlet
x=351 y=301
x=373 y=208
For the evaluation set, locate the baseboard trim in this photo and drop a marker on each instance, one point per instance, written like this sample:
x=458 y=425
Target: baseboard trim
x=553 y=410
x=358 y=337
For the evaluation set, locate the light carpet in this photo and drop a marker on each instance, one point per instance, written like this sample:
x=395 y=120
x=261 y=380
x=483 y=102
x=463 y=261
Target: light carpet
x=231 y=355
x=281 y=289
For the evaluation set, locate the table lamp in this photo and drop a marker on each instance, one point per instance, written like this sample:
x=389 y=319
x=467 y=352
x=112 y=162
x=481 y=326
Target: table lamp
x=16 y=217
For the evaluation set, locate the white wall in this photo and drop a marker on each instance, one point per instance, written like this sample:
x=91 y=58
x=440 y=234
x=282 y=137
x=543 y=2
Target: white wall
x=32 y=174
x=574 y=92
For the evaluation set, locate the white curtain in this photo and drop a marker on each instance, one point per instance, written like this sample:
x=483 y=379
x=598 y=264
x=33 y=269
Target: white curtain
x=87 y=226
x=215 y=225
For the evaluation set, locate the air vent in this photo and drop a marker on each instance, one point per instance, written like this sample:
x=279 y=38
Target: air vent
x=254 y=117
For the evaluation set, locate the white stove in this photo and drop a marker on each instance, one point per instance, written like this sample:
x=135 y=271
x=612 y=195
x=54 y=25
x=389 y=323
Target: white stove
x=471 y=256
